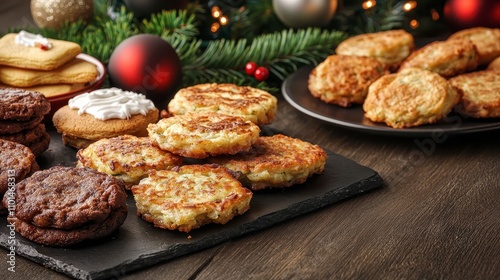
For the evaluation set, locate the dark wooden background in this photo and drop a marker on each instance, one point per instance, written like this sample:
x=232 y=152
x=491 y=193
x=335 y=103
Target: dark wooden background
x=436 y=217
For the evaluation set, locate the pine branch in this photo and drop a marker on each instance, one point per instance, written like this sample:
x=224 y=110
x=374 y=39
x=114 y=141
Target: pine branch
x=282 y=52
x=170 y=23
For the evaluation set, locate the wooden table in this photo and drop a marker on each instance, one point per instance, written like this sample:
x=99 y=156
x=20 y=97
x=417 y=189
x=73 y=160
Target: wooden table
x=436 y=217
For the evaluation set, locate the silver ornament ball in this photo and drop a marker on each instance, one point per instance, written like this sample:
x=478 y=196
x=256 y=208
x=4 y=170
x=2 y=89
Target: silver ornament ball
x=305 y=13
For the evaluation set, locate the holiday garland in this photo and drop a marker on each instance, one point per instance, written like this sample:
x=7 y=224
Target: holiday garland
x=280 y=49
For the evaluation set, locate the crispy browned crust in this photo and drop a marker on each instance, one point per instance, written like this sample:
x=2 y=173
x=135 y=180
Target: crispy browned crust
x=487 y=41
x=255 y=105
x=494 y=65
x=84 y=196
x=202 y=134
x=126 y=157
x=447 y=58
x=85 y=126
x=344 y=80
x=188 y=197
x=480 y=93
x=409 y=98
x=276 y=161
x=389 y=47
x=26 y=137
x=16 y=162
x=22 y=105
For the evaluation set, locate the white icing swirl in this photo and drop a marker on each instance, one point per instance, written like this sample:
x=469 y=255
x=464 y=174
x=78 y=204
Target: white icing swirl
x=111 y=103
x=31 y=40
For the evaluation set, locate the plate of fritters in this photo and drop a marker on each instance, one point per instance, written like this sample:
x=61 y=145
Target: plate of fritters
x=414 y=97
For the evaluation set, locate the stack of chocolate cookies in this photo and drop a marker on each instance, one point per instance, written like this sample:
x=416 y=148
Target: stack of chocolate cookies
x=21 y=115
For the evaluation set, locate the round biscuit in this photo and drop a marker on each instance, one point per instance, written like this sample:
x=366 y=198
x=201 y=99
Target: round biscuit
x=389 y=47
x=447 y=58
x=203 y=134
x=344 y=80
x=480 y=92
x=276 y=161
x=126 y=157
x=411 y=97
x=255 y=105
x=71 y=125
x=190 y=196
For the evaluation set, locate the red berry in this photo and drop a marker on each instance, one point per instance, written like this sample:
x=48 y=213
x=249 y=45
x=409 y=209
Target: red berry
x=261 y=73
x=250 y=68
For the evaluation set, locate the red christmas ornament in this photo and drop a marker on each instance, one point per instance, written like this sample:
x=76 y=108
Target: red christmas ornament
x=261 y=73
x=462 y=14
x=146 y=64
x=250 y=68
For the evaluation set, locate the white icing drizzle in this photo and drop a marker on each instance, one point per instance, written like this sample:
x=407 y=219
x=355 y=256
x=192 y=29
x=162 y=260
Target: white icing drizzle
x=31 y=40
x=111 y=103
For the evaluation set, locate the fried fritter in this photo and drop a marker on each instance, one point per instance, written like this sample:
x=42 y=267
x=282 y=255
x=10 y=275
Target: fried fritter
x=201 y=134
x=190 y=196
x=255 y=105
x=409 y=98
x=276 y=161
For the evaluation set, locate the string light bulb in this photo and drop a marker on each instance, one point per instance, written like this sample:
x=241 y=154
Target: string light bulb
x=435 y=15
x=369 y=4
x=414 y=24
x=214 y=28
x=216 y=13
x=410 y=5
x=223 y=20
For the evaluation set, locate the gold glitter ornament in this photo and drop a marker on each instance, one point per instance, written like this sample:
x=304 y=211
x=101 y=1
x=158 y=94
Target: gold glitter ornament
x=54 y=13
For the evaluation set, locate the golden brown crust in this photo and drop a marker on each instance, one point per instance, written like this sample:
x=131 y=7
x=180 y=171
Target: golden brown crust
x=201 y=134
x=86 y=127
x=409 y=98
x=447 y=58
x=494 y=65
x=389 y=47
x=344 y=80
x=126 y=157
x=255 y=105
x=190 y=196
x=487 y=41
x=77 y=71
x=276 y=161
x=480 y=93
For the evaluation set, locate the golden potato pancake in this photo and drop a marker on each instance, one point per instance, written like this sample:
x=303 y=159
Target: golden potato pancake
x=409 y=98
x=203 y=134
x=447 y=58
x=487 y=41
x=255 y=105
x=276 y=161
x=126 y=157
x=344 y=80
x=190 y=196
x=480 y=93
x=389 y=47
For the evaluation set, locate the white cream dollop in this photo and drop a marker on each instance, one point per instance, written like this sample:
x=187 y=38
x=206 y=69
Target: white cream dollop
x=111 y=103
x=31 y=40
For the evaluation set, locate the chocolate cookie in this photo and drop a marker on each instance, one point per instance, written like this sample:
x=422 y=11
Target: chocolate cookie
x=22 y=105
x=40 y=145
x=16 y=163
x=61 y=206
x=27 y=136
x=12 y=126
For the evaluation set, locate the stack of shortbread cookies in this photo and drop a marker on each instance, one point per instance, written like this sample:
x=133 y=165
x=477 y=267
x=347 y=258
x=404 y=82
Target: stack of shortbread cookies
x=32 y=62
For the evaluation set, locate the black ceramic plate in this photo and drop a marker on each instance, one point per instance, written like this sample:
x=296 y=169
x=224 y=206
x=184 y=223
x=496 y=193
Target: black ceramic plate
x=295 y=91
x=138 y=244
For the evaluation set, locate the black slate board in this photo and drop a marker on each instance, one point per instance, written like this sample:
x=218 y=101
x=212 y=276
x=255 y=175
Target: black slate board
x=138 y=244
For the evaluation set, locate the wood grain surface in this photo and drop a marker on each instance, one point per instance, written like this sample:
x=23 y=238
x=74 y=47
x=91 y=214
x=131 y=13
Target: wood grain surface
x=436 y=217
